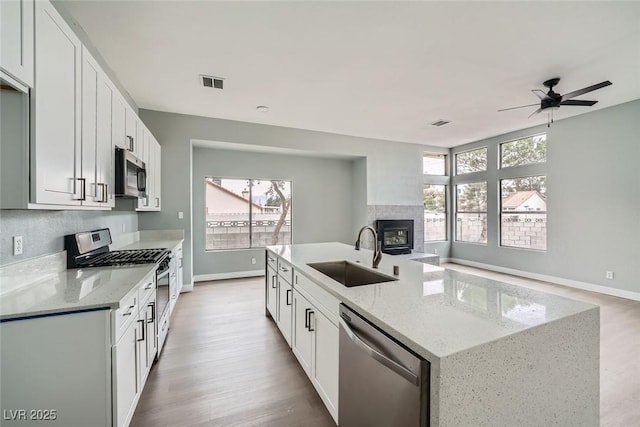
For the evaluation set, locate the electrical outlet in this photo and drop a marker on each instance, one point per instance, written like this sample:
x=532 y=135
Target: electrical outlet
x=253 y=260
x=124 y=227
x=180 y=215
x=435 y=251
x=609 y=275
x=17 y=245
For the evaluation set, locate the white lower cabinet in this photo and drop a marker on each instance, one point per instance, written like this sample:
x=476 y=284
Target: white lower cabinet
x=315 y=344
x=272 y=292
x=285 y=305
x=307 y=317
x=125 y=378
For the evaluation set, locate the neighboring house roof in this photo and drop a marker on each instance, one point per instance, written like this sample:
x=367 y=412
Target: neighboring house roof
x=518 y=198
x=237 y=196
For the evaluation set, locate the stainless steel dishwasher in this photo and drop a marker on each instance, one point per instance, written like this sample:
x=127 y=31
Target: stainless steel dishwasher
x=381 y=383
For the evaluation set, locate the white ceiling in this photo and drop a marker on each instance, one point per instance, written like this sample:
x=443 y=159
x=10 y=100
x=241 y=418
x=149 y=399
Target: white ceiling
x=373 y=69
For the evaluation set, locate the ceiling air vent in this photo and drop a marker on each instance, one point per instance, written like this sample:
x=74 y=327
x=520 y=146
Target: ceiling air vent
x=440 y=122
x=210 y=81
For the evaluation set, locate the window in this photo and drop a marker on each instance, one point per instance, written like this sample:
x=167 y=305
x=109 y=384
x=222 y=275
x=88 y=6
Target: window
x=524 y=151
x=471 y=212
x=471 y=161
x=523 y=212
x=434 y=164
x=247 y=213
x=435 y=212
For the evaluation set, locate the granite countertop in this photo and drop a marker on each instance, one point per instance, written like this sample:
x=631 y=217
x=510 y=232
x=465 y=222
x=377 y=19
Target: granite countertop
x=69 y=290
x=434 y=311
x=44 y=286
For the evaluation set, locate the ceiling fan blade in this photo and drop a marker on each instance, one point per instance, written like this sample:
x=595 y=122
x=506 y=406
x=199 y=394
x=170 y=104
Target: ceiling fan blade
x=522 y=106
x=535 y=112
x=576 y=102
x=540 y=94
x=585 y=90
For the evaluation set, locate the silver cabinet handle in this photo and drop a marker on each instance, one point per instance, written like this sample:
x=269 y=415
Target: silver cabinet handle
x=130 y=140
x=286 y=270
x=83 y=189
x=384 y=360
x=104 y=193
x=149 y=286
x=271 y=259
x=289 y=292
x=273 y=282
x=157 y=202
x=132 y=308
x=143 y=330
x=309 y=327
x=153 y=312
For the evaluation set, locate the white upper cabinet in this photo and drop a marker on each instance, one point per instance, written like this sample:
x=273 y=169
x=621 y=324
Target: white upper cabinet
x=157 y=173
x=118 y=122
x=56 y=164
x=16 y=39
x=151 y=156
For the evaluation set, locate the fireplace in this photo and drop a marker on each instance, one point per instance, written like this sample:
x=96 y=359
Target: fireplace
x=395 y=235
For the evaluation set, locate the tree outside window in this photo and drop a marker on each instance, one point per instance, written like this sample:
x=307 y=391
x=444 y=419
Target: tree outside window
x=471 y=212
x=435 y=212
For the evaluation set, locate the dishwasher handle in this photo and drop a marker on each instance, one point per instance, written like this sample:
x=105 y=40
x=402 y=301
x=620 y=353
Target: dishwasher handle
x=384 y=360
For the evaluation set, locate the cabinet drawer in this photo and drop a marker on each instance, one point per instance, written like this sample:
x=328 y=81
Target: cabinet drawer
x=272 y=260
x=127 y=312
x=325 y=302
x=285 y=270
x=147 y=288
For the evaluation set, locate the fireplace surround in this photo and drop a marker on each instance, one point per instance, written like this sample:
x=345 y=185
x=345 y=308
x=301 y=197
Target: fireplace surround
x=395 y=235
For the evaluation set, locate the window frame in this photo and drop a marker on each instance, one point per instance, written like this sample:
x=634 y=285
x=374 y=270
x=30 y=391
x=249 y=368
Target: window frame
x=250 y=247
x=446 y=213
x=485 y=212
x=501 y=212
x=455 y=160
x=436 y=155
x=502 y=167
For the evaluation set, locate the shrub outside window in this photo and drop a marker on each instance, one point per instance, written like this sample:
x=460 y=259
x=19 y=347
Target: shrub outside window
x=435 y=212
x=471 y=161
x=523 y=212
x=246 y=213
x=471 y=212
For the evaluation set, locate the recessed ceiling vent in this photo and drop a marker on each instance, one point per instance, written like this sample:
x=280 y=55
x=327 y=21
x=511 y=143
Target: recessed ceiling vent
x=210 y=81
x=440 y=122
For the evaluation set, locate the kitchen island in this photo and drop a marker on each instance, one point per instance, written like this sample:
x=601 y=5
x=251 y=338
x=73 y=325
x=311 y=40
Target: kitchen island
x=499 y=354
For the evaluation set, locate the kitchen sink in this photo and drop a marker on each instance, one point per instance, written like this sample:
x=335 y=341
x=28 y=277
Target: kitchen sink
x=350 y=274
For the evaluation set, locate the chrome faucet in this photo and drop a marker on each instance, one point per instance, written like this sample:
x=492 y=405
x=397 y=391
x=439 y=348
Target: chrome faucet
x=377 y=252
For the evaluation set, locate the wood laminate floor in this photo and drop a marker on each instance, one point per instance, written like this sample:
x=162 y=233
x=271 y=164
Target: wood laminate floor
x=226 y=364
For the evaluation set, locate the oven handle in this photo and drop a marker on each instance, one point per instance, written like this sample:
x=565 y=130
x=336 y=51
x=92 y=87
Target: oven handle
x=373 y=353
x=163 y=274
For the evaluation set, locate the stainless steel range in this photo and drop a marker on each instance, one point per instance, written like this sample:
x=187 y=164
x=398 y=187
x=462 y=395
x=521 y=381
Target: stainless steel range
x=91 y=249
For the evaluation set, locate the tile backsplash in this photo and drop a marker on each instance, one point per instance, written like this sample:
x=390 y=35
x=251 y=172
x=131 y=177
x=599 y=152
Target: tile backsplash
x=43 y=231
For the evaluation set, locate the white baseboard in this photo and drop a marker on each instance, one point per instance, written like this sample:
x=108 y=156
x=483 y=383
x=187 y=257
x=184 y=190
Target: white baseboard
x=186 y=287
x=552 y=279
x=232 y=275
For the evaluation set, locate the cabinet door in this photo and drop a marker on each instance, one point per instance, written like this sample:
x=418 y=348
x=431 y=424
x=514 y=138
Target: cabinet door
x=152 y=331
x=90 y=75
x=56 y=103
x=325 y=361
x=302 y=332
x=105 y=154
x=141 y=343
x=16 y=39
x=131 y=130
x=157 y=174
x=119 y=122
x=272 y=292
x=285 y=303
x=143 y=154
x=125 y=365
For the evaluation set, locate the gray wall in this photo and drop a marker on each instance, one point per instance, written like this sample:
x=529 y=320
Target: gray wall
x=43 y=231
x=593 y=201
x=393 y=169
x=322 y=202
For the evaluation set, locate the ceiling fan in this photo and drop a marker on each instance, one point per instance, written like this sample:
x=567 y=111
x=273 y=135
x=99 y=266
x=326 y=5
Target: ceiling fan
x=552 y=100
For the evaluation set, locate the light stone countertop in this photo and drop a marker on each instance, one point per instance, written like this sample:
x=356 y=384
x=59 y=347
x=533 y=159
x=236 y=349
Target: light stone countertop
x=434 y=311
x=43 y=285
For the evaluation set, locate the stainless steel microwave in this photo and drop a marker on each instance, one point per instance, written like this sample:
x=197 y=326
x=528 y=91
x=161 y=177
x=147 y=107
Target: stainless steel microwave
x=131 y=175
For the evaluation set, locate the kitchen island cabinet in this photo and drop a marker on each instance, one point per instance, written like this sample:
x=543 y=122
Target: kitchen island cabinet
x=499 y=354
